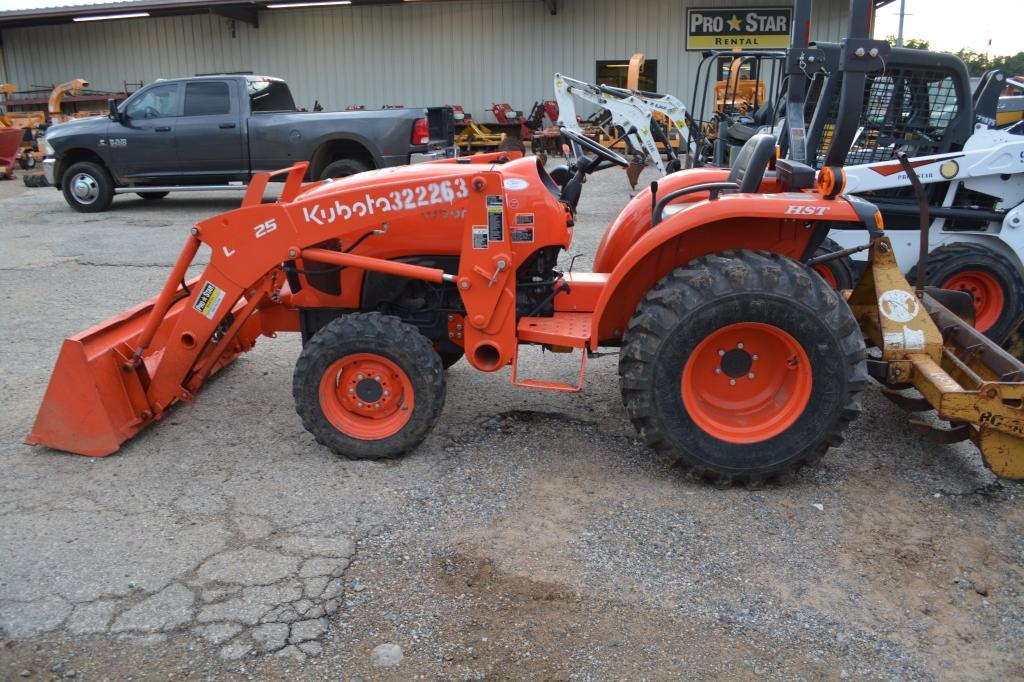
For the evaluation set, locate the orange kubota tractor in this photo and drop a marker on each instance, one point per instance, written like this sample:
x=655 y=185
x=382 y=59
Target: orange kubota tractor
x=736 y=359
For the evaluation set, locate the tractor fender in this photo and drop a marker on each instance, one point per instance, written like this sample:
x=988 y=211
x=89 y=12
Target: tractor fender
x=634 y=220
x=781 y=223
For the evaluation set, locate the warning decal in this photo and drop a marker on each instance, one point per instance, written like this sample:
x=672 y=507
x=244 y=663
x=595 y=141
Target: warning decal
x=480 y=237
x=522 y=234
x=495 y=218
x=209 y=299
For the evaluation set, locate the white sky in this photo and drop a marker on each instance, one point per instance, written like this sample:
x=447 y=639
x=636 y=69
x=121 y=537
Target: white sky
x=948 y=24
x=952 y=24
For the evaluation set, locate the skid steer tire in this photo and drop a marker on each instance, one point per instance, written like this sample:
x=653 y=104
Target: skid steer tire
x=368 y=386
x=87 y=187
x=992 y=280
x=152 y=196
x=742 y=367
x=837 y=273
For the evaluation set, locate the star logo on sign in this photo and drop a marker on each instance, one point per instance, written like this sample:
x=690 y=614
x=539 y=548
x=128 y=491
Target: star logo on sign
x=734 y=23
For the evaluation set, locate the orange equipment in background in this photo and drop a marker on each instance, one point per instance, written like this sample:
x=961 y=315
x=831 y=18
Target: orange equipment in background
x=10 y=142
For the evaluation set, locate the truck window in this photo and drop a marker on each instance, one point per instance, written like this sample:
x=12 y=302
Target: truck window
x=270 y=96
x=207 y=99
x=160 y=101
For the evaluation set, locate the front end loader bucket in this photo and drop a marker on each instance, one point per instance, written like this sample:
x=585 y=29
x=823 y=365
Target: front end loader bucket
x=93 y=404
x=965 y=377
x=97 y=396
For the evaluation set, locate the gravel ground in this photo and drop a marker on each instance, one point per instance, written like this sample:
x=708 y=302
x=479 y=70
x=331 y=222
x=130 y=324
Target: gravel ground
x=532 y=536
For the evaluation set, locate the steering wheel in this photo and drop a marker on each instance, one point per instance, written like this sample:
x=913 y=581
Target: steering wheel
x=599 y=149
x=151 y=112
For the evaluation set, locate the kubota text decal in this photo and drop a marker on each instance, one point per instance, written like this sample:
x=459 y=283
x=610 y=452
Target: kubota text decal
x=407 y=198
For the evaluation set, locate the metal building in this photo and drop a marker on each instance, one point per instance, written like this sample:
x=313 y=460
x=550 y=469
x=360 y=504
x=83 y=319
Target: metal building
x=373 y=53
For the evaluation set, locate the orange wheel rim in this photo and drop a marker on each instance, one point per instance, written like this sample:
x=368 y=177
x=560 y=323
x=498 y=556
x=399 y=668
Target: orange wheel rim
x=987 y=294
x=366 y=396
x=827 y=275
x=747 y=383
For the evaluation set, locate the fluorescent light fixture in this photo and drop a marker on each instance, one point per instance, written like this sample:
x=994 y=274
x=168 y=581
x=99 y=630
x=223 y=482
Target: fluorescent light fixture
x=328 y=3
x=104 y=17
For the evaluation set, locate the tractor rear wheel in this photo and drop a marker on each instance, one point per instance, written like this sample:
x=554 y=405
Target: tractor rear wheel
x=369 y=386
x=742 y=367
x=990 y=278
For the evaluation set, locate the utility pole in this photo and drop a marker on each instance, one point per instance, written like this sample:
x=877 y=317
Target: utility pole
x=903 y=11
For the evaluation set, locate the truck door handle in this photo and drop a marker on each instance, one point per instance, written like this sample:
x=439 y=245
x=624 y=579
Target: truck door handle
x=227 y=125
x=162 y=129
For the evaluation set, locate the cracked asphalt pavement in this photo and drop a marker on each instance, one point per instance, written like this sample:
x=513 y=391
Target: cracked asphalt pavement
x=531 y=536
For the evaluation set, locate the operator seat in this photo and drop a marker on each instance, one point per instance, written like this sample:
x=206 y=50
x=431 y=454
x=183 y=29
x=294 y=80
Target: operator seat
x=748 y=171
x=738 y=133
x=752 y=161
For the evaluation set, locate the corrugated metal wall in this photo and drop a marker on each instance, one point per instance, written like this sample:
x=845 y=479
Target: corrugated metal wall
x=470 y=52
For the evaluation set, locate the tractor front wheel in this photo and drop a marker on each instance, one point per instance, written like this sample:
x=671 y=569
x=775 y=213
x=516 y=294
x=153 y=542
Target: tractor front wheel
x=369 y=386
x=838 y=272
x=742 y=367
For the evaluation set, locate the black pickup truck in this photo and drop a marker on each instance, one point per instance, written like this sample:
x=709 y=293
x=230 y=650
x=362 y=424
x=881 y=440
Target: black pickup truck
x=215 y=132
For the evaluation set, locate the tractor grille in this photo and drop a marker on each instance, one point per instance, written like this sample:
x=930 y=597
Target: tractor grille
x=904 y=110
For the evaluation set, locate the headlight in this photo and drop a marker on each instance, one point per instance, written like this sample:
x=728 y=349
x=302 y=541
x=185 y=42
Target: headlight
x=49 y=149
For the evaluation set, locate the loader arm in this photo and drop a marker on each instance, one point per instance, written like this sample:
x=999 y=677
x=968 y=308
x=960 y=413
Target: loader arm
x=987 y=153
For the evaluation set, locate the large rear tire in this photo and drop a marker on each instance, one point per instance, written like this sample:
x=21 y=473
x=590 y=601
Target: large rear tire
x=993 y=281
x=369 y=386
x=342 y=168
x=742 y=367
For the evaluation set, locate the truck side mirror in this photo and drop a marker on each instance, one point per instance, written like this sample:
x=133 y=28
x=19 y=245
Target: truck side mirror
x=112 y=111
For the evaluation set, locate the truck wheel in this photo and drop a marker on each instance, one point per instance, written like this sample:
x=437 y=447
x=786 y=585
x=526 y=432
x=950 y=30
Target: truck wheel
x=368 y=386
x=742 y=367
x=837 y=273
x=152 y=196
x=992 y=280
x=343 y=168
x=87 y=187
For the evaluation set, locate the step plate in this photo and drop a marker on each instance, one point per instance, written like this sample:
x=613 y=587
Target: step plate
x=562 y=329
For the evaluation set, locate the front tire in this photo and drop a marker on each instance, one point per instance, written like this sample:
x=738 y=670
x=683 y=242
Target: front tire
x=742 y=367
x=87 y=187
x=837 y=273
x=369 y=386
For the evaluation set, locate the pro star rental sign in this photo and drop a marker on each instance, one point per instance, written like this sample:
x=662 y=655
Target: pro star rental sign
x=738 y=28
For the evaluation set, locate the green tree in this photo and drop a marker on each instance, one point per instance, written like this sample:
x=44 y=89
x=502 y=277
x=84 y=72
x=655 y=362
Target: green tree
x=913 y=43
x=977 y=62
